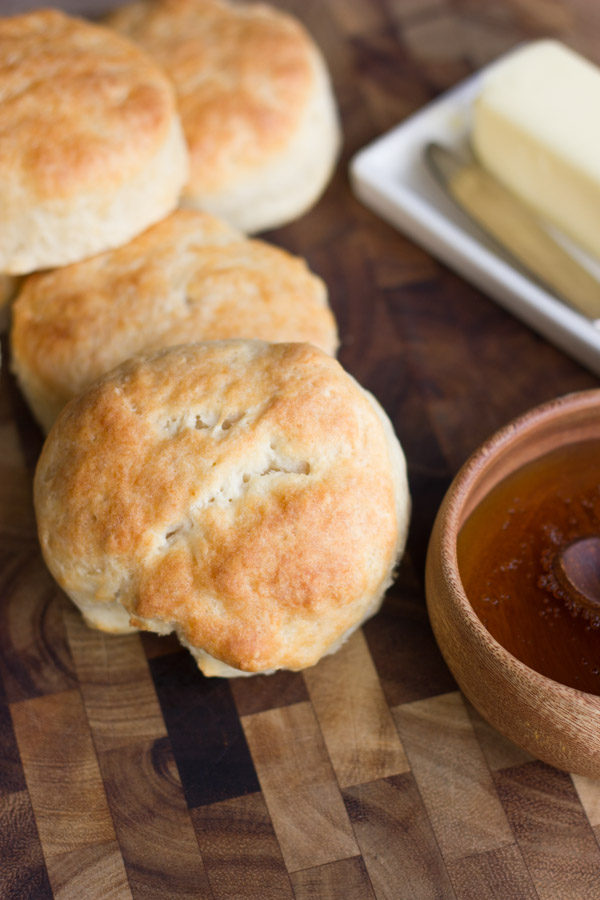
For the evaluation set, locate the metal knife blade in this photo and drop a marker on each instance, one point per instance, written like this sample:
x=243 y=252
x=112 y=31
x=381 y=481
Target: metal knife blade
x=515 y=229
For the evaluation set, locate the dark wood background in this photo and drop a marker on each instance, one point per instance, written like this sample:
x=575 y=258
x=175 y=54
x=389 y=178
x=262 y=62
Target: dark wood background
x=125 y=774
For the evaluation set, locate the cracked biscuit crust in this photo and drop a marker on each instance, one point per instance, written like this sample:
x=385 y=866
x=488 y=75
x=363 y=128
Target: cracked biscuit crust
x=250 y=496
x=91 y=148
x=255 y=99
x=189 y=278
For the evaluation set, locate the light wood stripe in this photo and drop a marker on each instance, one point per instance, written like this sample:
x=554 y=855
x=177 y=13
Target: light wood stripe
x=66 y=789
x=153 y=823
x=299 y=786
x=588 y=791
x=557 y=843
x=499 y=752
x=397 y=842
x=452 y=775
x=116 y=685
x=240 y=850
x=95 y=871
x=355 y=720
x=495 y=875
x=358 y=17
x=346 y=878
x=403 y=11
x=406 y=656
x=436 y=38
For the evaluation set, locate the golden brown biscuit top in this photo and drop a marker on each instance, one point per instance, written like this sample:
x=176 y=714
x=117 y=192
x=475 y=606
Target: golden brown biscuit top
x=189 y=278
x=241 y=492
x=79 y=105
x=243 y=75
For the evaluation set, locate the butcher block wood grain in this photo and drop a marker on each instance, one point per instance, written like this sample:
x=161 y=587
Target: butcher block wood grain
x=126 y=774
x=300 y=787
x=354 y=718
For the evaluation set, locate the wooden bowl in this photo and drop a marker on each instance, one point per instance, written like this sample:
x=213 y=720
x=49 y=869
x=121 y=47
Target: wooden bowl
x=553 y=722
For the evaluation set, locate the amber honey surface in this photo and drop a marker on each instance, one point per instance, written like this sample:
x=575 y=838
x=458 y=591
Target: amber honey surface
x=505 y=554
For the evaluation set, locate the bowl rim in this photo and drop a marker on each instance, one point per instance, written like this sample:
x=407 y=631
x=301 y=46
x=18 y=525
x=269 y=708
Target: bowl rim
x=450 y=513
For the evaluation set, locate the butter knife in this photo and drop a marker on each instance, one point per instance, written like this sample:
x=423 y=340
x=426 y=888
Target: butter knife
x=515 y=229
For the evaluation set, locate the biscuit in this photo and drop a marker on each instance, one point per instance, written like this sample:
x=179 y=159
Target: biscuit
x=189 y=278
x=255 y=100
x=91 y=147
x=250 y=497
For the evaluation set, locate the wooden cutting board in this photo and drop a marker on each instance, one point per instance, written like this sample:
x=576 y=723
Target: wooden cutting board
x=126 y=774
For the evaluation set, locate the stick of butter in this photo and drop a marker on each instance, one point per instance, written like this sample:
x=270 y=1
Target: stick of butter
x=536 y=127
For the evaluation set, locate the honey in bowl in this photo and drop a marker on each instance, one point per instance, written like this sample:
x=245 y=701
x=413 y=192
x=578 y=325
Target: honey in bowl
x=506 y=553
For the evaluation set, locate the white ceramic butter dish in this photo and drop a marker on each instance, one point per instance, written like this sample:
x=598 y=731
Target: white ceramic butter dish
x=391 y=177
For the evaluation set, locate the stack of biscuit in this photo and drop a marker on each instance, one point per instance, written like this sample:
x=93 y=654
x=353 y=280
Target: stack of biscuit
x=210 y=469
